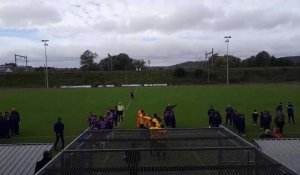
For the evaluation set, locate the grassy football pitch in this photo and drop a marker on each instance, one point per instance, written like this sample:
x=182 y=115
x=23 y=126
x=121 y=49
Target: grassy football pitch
x=39 y=108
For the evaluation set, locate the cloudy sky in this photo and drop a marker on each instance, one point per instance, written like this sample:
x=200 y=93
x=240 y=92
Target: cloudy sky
x=165 y=32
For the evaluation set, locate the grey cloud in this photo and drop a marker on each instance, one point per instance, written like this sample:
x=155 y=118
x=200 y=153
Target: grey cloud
x=27 y=15
x=183 y=18
x=255 y=19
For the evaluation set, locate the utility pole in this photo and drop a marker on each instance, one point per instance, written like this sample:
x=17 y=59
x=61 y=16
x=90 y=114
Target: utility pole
x=207 y=64
x=212 y=58
x=46 y=76
x=227 y=41
x=207 y=58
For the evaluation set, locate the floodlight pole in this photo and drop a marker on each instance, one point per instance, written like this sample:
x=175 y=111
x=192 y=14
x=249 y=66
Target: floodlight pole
x=227 y=41
x=46 y=76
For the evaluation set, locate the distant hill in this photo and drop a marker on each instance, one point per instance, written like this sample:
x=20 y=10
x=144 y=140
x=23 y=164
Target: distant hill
x=292 y=58
x=190 y=64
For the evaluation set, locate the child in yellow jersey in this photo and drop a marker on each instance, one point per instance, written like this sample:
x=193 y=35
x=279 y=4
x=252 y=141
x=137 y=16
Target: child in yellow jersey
x=156 y=120
x=157 y=134
x=147 y=121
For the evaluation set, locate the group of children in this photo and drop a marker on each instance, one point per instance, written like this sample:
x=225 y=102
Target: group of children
x=233 y=117
x=265 y=119
x=108 y=121
x=237 y=119
x=144 y=121
x=9 y=124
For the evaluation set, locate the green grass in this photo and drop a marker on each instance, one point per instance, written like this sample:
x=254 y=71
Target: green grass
x=40 y=108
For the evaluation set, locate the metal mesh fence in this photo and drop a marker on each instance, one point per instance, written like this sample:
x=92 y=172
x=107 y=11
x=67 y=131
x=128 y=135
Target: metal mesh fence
x=164 y=151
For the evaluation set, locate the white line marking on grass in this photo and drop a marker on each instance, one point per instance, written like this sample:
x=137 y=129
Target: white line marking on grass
x=111 y=134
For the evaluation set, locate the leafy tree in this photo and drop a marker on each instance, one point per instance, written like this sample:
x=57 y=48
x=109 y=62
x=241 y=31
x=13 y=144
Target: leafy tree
x=180 y=72
x=87 y=60
x=263 y=59
x=198 y=72
x=120 y=62
x=221 y=61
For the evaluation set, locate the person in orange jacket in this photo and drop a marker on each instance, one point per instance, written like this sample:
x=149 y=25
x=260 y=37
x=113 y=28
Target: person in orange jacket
x=140 y=120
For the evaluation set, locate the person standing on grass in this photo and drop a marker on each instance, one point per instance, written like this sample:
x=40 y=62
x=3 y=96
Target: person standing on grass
x=1 y=126
x=170 y=120
x=279 y=108
x=114 y=113
x=261 y=120
x=235 y=119
x=15 y=115
x=242 y=124
x=229 y=113
x=169 y=108
x=6 y=128
x=269 y=120
x=279 y=121
x=120 y=111
x=91 y=118
x=211 y=113
x=290 y=111
x=132 y=94
x=255 y=117
x=217 y=119
x=59 y=133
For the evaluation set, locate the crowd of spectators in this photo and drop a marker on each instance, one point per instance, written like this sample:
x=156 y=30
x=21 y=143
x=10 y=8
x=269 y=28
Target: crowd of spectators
x=9 y=124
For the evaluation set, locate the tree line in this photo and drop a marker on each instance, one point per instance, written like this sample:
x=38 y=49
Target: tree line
x=262 y=59
x=116 y=62
x=123 y=62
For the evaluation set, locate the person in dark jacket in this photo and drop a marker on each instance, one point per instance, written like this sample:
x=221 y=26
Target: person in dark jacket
x=279 y=121
x=40 y=164
x=6 y=127
x=235 y=117
x=2 y=122
x=211 y=113
x=279 y=108
x=132 y=94
x=267 y=119
x=242 y=124
x=15 y=115
x=255 y=117
x=217 y=119
x=261 y=122
x=59 y=132
x=290 y=111
x=170 y=120
x=229 y=114
x=169 y=108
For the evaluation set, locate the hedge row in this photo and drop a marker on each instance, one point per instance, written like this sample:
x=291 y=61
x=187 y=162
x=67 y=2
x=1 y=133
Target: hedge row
x=198 y=76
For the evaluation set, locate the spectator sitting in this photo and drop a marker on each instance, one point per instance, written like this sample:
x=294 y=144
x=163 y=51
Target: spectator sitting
x=46 y=158
x=267 y=134
x=277 y=134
